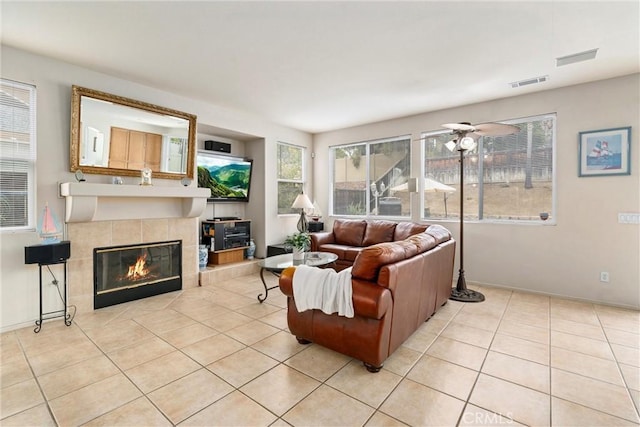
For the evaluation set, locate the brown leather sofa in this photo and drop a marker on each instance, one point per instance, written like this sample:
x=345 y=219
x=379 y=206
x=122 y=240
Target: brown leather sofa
x=348 y=237
x=397 y=285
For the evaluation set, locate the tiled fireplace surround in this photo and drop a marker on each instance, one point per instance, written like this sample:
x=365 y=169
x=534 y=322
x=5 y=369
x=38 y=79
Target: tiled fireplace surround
x=104 y=215
x=85 y=236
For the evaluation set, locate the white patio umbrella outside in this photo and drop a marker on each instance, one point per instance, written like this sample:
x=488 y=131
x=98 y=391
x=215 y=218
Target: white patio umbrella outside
x=430 y=186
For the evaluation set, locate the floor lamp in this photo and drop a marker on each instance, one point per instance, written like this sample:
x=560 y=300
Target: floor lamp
x=463 y=143
x=460 y=293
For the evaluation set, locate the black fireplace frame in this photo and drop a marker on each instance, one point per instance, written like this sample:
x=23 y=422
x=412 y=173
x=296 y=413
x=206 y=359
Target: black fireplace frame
x=133 y=293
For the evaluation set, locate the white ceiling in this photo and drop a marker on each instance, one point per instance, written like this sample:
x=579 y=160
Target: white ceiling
x=318 y=66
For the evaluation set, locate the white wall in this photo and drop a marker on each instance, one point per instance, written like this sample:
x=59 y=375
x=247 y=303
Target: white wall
x=53 y=79
x=563 y=259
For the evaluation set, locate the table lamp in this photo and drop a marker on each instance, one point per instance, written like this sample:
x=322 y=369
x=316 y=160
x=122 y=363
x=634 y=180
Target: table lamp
x=302 y=202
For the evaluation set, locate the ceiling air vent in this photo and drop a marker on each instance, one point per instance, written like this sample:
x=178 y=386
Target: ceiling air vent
x=529 y=81
x=576 y=57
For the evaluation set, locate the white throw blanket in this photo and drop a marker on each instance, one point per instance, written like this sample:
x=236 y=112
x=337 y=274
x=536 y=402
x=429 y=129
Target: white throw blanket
x=324 y=289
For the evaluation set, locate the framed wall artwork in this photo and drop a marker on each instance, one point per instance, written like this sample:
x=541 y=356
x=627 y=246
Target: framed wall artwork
x=604 y=152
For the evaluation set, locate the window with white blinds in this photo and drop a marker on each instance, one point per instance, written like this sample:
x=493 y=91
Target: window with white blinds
x=506 y=178
x=291 y=175
x=17 y=155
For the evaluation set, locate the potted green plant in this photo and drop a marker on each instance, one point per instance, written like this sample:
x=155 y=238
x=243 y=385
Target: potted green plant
x=300 y=242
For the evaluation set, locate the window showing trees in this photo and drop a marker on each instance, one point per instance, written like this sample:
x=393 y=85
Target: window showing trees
x=17 y=155
x=370 y=178
x=506 y=177
x=290 y=176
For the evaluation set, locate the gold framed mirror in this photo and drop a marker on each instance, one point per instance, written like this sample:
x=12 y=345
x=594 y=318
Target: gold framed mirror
x=114 y=135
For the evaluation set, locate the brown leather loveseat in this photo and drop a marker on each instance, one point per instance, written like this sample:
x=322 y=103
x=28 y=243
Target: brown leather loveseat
x=396 y=285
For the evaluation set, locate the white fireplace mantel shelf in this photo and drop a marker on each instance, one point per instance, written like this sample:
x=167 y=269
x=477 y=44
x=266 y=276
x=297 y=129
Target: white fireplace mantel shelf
x=87 y=202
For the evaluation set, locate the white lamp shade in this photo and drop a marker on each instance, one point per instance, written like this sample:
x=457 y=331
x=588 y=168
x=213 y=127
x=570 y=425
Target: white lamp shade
x=451 y=145
x=467 y=143
x=302 y=202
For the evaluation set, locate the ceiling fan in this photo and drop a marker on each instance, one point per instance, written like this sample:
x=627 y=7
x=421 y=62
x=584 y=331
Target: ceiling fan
x=482 y=129
x=466 y=135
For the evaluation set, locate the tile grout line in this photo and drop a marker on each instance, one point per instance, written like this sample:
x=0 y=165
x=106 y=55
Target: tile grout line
x=404 y=376
x=119 y=316
x=235 y=352
x=44 y=396
x=475 y=382
x=624 y=380
x=123 y=372
x=551 y=347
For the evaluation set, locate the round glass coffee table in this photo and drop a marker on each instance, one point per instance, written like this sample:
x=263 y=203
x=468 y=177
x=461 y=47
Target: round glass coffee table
x=276 y=265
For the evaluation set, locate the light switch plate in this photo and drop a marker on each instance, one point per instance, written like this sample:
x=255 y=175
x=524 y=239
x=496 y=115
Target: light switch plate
x=629 y=218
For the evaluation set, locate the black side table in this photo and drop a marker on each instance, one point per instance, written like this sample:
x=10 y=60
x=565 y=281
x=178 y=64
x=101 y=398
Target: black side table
x=281 y=249
x=315 y=226
x=45 y=255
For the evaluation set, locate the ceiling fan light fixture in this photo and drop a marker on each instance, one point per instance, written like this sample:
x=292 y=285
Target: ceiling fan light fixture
x=576 y=57
x=451 y=145
x=467 y=143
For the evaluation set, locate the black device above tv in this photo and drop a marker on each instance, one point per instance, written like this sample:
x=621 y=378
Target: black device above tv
x=228 y=177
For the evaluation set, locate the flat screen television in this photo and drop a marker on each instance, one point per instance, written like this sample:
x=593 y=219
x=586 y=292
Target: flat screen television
x=228 y=177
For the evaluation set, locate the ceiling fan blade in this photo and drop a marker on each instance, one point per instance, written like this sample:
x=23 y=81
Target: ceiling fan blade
x=460 y=127
x=495 y=129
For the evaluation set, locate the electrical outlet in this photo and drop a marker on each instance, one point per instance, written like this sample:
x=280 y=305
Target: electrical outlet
x=604 y=276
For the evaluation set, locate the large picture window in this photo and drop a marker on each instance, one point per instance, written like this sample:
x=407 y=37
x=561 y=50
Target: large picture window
x=17 y=155
x=507 y=178
x=370 y=178
x=291 y=175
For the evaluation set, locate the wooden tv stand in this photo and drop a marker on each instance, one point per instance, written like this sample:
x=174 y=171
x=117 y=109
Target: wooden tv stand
x=227 y=256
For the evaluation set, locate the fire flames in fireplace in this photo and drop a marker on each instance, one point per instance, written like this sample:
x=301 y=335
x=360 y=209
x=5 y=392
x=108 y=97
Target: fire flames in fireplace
x=138 y=271
x=130 y=272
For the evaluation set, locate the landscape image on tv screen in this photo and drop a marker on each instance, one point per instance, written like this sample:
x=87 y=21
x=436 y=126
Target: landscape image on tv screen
x=229 y=178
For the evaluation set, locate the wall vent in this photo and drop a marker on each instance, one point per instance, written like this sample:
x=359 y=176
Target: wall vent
x=576 y=57
x=528 y=82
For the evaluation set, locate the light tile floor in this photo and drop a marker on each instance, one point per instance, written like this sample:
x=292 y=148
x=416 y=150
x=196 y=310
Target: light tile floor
x=214 y=356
